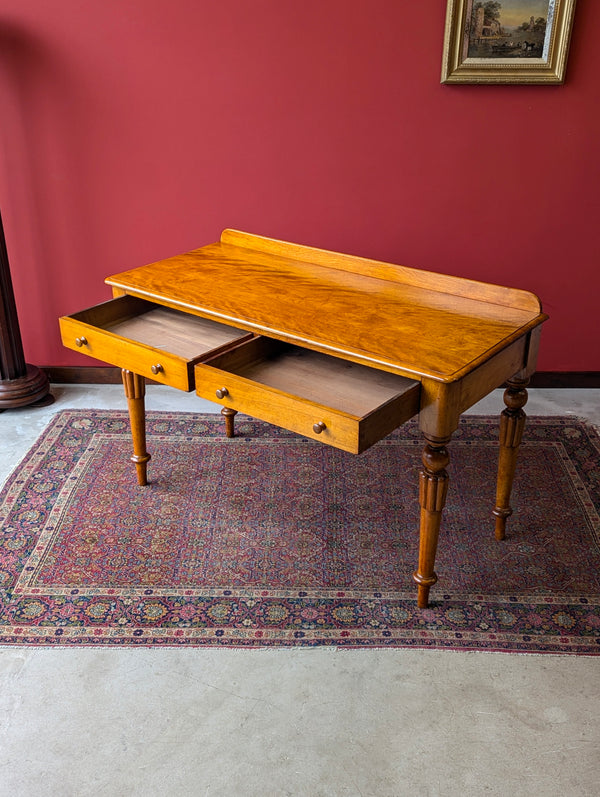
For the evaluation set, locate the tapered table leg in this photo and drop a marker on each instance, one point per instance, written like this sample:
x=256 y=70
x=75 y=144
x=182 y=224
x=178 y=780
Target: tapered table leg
x=135 y=390
x=512 y=424
x=229 y=415
x=433 y=486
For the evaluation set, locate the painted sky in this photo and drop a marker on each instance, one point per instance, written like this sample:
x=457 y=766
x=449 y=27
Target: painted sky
x=515 y=12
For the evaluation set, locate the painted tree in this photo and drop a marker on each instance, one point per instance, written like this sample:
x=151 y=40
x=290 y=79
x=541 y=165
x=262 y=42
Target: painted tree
x=491 y=11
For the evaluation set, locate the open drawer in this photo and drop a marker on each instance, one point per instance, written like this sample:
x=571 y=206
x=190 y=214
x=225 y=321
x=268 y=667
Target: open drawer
x=337 y=402
x=151 y=340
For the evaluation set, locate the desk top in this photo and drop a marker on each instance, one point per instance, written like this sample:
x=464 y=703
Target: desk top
x=407 y=321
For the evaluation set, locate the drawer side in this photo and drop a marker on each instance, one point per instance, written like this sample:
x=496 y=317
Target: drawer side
x=389 y=416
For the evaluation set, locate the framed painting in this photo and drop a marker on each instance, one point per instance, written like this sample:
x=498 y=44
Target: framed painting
x=507 y=41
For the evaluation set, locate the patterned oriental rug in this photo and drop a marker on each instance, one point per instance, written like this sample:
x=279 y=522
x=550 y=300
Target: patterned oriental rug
x=270 y=539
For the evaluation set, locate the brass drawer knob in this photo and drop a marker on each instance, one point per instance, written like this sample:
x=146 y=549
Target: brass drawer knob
x=319 y=427
x=81 y=341
x=157 y=369
x=222 y=392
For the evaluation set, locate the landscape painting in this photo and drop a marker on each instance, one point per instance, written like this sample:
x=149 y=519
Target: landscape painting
x=509 y=29
x=507 y=41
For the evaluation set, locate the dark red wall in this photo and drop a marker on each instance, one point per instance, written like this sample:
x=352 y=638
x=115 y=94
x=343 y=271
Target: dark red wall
x=136 y=129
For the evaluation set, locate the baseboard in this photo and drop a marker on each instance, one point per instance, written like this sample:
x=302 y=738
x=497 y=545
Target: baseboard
x=103 y=375
x=573 y=379
x=84 y=375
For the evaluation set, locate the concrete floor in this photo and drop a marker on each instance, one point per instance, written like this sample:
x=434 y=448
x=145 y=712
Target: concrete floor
x=307 y=723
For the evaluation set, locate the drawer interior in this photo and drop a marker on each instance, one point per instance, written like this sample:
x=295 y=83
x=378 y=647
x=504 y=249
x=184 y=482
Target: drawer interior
x=342 y=385
x=184 y=335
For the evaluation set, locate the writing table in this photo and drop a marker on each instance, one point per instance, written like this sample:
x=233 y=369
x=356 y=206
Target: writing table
x=338 y=348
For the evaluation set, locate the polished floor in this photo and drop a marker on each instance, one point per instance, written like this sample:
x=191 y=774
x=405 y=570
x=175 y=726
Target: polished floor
x=305 y=723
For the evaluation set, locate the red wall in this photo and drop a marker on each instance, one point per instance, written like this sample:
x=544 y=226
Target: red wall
x=136 y=129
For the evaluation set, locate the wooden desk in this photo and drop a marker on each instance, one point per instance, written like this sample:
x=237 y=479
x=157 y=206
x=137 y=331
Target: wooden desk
x=338 y=348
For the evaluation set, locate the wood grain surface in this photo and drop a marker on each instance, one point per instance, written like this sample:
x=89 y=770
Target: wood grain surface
x=401 y=320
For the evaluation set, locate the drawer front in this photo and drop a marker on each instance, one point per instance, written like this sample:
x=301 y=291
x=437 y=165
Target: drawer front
x=279 y=408
x=156 y=342
x=104 y=345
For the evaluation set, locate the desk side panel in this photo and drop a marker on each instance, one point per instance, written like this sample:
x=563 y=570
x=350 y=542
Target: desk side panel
x=443 y=403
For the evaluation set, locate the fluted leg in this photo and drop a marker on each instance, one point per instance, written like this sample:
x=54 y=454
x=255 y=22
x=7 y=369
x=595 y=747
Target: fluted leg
x=512 y=424
x=135 y=390
x=433 y=487
x=229 y=415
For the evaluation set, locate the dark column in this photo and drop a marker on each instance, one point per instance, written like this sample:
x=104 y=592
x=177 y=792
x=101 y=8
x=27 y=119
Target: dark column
x=20 y=383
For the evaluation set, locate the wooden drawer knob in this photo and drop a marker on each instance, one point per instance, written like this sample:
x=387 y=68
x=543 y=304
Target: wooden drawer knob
x=319 y=427
x=157 y=369
x=81 y=341
x=222 y=392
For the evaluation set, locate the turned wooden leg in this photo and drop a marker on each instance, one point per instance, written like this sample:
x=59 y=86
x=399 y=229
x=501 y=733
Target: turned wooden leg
x=512 y=424
x=433 y=486
x=135 y=390
x=229 y=415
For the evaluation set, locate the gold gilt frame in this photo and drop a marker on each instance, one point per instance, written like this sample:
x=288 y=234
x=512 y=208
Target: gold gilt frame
x=479 y=49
